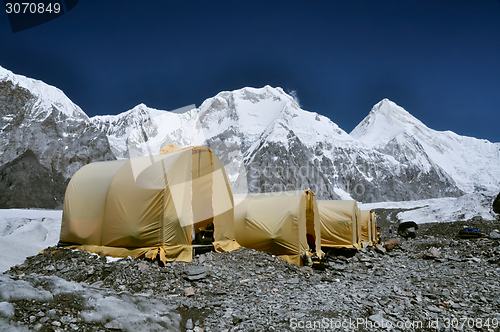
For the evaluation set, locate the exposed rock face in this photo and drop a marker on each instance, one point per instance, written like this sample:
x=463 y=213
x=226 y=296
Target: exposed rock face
x=43 y=132
x=25 y=182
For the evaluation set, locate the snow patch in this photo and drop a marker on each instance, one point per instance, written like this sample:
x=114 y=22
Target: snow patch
x=25 y=233
x=440 y=209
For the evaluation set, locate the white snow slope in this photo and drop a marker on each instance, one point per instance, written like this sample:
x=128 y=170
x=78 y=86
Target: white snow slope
x=48 y=96
x=448 y=209
x=25 y=233
x=473 y=163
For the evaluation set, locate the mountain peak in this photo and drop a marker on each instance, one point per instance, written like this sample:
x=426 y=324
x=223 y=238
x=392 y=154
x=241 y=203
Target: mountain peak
x=47 y=95
x=385 y=121
x=391 y=110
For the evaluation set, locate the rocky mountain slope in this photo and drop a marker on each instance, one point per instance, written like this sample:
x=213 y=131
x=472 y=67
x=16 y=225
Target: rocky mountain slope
x=44 y=139
x=266 y=141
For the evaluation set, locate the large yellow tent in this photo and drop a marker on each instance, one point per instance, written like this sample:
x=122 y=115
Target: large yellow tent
x=339 y=224
x=278 y=223
x=149 y=205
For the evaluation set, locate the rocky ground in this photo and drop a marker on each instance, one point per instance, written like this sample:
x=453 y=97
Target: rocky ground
x=454 y=288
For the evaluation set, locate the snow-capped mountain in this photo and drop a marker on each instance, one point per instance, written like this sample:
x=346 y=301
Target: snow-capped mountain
x=44 y=139
x=473 y=163
x=265 y=140
x=282 y=147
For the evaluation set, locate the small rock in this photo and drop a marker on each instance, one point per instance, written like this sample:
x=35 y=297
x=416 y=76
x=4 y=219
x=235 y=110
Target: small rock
x=32 y=319
x=377 y=318
x=475 y=260
x=97 y=284
x=307 y=270
x=380 y=249
x=65 y=319
x=434 y=309
x=432 y=253
x=52 y=313
x=56 y=323
x=114 y=325
x=189 y=324
x=197 y=329
x=238 y=318
x=142 y=266
x=189 y=291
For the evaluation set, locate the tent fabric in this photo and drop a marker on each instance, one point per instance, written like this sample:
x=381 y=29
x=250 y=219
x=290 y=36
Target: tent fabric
x=375 y=233
x=278 y=223
x=339 y=224
x=149 y=205
x=365 y=219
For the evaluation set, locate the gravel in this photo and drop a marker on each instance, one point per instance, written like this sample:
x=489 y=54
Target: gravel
x=430 y=280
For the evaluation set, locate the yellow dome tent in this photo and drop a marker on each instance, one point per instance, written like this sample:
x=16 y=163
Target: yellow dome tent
x=278 y=223
x=365 y=218
x=339 y=224
x=149 y=205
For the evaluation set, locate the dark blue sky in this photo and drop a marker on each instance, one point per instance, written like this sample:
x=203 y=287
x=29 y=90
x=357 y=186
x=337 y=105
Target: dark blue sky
x=440 y=60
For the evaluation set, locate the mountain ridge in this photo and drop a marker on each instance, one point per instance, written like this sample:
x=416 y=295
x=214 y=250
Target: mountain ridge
x=254 y=129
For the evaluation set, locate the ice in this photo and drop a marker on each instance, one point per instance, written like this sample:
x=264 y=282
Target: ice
x=117 y=310
x=25 y=233
x=441 y=209
x=6 y=309
x=110 y=259
x=21 y=290
x=131 y=313
x=6 y=326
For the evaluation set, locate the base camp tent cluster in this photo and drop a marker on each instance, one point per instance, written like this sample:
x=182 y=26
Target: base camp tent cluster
x=154 y=206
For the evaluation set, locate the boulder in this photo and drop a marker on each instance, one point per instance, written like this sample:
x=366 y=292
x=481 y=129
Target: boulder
x=496 y=204
x=391 y=244
x=195 y=273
